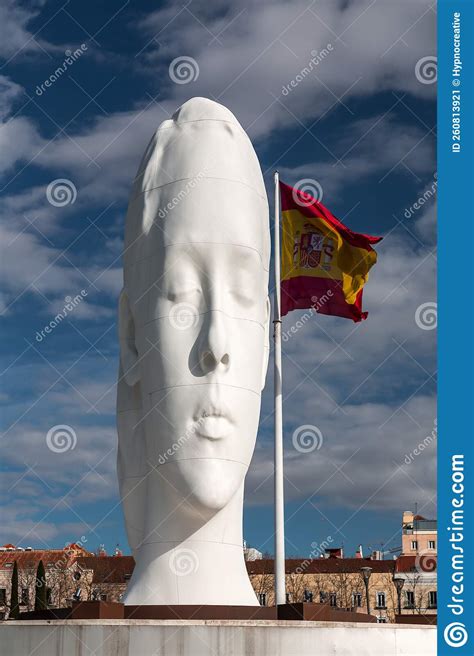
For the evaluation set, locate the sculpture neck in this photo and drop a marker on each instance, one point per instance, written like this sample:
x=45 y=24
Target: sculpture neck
x=194 y=554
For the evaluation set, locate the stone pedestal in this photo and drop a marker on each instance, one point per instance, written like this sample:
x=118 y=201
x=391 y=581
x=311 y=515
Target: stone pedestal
x=213 y=638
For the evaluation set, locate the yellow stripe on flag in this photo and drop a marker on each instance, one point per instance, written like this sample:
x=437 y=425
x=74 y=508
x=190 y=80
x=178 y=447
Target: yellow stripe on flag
x=311 y=247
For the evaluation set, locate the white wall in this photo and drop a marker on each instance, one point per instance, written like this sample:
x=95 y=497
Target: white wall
x=213 y=638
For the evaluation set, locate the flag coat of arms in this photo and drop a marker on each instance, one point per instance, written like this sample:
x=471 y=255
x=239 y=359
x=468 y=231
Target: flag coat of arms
x=324 y=264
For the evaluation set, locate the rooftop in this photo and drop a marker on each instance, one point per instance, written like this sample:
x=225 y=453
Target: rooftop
x=29 y=558
x=422 y=563
x=108 y=569
x=421 y=524
x=321 y=565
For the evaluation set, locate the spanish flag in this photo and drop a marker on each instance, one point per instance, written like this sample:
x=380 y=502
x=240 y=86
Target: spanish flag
x=324 y=265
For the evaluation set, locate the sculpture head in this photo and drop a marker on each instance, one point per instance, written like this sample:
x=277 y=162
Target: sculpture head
x=194 y=311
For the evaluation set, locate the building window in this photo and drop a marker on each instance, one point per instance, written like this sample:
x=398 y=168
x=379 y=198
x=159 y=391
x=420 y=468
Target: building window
x=410 y=599
x=262 y=599
x=25 y=597
x=323 y=597
x=431 y=544
x=333 y=599
x=382 y=620
x=380 y=600
x=49 y=596
x=3 y=596
x=356 y=600
x=432 y=599
x=103 y=597
x=308 y=596
x=288 y=598
x=414 y=545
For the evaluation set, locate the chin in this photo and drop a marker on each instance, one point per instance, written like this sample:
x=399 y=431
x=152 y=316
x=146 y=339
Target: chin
x=212 y=482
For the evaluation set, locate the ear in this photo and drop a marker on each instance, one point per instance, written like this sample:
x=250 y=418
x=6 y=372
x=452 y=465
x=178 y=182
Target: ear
x=128 y=350
x=266 y=343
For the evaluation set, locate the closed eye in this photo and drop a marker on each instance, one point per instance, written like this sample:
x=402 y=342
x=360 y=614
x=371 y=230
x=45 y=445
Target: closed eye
x=246 y=297
x=176 y=295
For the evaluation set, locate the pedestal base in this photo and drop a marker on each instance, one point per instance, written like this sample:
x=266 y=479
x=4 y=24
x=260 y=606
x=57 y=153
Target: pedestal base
x=200 y=613
x=213 y=638
x=320 y=613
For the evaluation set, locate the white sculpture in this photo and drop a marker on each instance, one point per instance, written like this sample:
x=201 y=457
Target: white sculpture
x=194 y=341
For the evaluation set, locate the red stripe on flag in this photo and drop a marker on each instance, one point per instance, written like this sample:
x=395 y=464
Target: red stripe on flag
x=324 y=295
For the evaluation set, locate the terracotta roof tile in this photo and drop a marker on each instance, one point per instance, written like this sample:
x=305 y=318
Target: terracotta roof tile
x=30 y=559
x=425 y=562
x=108 y=569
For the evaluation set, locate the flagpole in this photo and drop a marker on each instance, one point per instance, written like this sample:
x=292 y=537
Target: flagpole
x=280 y=594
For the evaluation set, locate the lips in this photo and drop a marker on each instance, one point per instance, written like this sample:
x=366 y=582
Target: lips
x=213 y=423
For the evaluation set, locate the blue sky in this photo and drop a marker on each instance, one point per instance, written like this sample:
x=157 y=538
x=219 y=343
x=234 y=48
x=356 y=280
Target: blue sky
x=360 y=126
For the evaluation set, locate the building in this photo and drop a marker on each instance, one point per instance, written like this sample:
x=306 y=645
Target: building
x=84 y=576
x=334 y=579
x=419 y=535
x=105 y=577
x=73 y=573
x=419 y=593
x=61 y=573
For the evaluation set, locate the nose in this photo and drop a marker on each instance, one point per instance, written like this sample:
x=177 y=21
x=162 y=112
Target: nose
x=213 y=348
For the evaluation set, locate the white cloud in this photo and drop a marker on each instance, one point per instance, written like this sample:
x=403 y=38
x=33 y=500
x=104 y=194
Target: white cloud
x=18 y=135
x=44 y=482
x=365 y=461
x=16 y=36
x=27 y=263
x=9 y=92
x=352 y=159
x=247 y=53
x=257 y=53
